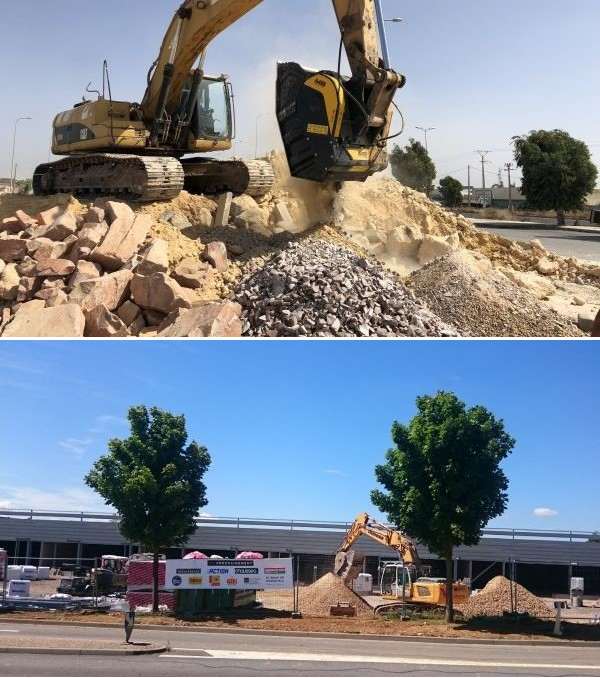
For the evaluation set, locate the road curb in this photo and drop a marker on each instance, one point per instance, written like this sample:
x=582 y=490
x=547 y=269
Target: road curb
x=532 y=226
x=157 y=649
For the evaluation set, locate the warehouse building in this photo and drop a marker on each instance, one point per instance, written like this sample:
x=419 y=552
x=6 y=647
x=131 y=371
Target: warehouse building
x=542 y=561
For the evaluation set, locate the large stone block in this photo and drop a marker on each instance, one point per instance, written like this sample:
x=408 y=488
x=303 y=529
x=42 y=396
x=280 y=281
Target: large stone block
x=9 y=282
x=92 y=234
x=12 y=249
x=216 y=255
x=60 y=321
x=100 y=322
x=62 y=227
x=154 y=258
x=85 y=270
x=110 y=290
x=192 y=273
x=123 y=240
x=206 y=319
x=158 y=292
x=223 y=210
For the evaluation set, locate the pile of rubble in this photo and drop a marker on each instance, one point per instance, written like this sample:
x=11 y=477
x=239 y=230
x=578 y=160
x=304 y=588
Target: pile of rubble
x=98 y=274
x=372 y=260
x=319 y=289
x=317 y=599
x=500 y=595
x=465 y=290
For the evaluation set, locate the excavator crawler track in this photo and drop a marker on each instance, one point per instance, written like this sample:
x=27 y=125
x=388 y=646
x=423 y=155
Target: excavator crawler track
x=204 y=175
x=131 y=177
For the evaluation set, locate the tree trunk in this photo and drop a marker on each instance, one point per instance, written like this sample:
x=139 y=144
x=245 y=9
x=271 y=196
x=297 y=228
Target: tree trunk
x=560 y=217
x=155 y=582
x=449 y=591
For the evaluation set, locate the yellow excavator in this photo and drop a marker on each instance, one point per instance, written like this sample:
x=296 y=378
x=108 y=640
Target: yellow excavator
x=333 y=128
x=400 y=580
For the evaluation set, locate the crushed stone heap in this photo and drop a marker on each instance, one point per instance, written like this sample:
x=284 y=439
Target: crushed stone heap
x=316 y=600
x=495 y=599
x=318 y=288
x=463 y=289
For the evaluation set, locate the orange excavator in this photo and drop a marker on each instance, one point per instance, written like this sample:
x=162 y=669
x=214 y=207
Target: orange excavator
x=400 y=579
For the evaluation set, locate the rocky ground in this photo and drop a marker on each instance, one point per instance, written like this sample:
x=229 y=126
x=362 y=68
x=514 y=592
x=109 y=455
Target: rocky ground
x=370 y=260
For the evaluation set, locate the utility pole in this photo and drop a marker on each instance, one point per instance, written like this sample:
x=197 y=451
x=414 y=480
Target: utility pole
x=509 y=166
x=483 y=163
x=469 y=184
x=425 y=130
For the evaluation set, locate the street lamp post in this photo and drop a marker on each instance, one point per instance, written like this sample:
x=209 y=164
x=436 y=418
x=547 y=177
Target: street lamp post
x=12 y=161
x=382 y=36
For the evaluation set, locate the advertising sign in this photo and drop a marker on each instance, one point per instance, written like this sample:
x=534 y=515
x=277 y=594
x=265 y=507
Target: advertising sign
x=267 y=573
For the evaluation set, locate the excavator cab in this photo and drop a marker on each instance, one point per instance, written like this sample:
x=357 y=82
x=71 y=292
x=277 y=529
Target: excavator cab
x=396 y=580
x=210 y=114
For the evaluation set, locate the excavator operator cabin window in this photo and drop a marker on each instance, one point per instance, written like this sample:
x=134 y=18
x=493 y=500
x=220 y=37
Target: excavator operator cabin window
x=212 y=117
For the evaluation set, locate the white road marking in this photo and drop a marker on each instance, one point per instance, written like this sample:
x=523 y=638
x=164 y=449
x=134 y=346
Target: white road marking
x=9 y=631
x=367 y=659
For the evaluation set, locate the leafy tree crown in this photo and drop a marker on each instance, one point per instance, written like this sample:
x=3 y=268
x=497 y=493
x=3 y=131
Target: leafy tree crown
x=442 y=479
x=153 y=479
x=558 y=172
x=413 y=167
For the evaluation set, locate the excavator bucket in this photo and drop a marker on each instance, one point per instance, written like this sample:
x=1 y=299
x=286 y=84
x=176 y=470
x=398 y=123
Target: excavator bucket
x=348 y=564
x=323 y=127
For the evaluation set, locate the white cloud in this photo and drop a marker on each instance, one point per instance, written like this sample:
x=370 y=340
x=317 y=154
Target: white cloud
x=334 y=472
x=544 y=512
x=76 y=446
x=68 y=499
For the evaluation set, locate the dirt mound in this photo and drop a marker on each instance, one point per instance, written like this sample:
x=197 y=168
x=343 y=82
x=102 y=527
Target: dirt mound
x=464 y=290
x=501 y=595
x=394 y=221
x=316 y=600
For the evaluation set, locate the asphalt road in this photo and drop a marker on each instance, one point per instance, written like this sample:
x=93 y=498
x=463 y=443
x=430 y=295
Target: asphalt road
x=203 y=653
x=565 y=242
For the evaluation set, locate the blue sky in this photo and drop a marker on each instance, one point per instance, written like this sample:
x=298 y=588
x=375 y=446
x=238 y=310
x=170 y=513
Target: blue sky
x=295 y=429
x=478 y=72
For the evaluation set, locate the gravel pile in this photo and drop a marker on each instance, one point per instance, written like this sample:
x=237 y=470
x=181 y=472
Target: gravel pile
x=320 y=289
x=316 y=600
x=463 y=289
x=495 y=599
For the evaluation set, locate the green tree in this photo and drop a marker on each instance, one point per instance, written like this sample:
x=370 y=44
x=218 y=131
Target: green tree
x=558 y=172
x=25 y=186
x=443 y=479
x=451 y=190
x=413 y=167
x=154 y=481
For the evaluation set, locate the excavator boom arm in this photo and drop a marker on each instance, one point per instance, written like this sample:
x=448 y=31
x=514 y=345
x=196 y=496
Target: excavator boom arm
x=197 y=22
x=364 y=525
